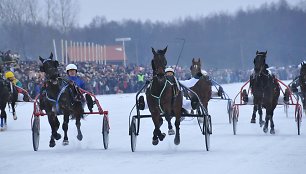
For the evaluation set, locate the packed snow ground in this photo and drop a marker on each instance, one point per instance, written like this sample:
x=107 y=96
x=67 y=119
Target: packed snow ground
x=250 y=151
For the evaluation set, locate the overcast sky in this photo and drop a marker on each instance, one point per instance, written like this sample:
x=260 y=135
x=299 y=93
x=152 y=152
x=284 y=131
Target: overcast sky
x=161 y=10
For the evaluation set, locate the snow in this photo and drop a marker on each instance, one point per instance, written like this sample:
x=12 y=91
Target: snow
x=250 y=151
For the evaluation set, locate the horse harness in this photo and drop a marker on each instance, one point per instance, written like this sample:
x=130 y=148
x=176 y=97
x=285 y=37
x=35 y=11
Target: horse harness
x=174 y=86
x=63 y=85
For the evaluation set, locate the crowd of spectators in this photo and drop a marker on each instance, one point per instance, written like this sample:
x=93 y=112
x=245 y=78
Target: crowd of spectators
x=113 y=79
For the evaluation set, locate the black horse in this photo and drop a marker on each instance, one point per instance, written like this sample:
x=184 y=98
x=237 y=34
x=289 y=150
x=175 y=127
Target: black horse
x=162 y=98
x=58 y=96
x=8 y=95
x=265 y=90
x=203 y=87
x=302 y=84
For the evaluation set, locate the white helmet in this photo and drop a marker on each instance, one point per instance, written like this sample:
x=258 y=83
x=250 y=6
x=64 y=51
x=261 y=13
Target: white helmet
x=71 y=66
x=169 y=69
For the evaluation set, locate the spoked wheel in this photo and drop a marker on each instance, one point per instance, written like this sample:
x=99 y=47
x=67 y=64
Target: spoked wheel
x=230 y=110
x=204 y=122
x=207 y=130
x=298 y=116
x=286 y=110
x=235 y=119
x=133 y=134
x=105 y=131
x=35 y=132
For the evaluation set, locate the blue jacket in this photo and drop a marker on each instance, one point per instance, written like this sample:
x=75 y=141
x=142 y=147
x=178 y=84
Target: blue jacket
x=78 y=81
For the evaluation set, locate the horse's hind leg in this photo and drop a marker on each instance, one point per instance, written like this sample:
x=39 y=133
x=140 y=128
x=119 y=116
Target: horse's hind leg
x=170 y=131
x=65 y=128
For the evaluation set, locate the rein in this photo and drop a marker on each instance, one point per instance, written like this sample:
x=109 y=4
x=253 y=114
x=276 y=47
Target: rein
x=58 y=96
x=161 y=93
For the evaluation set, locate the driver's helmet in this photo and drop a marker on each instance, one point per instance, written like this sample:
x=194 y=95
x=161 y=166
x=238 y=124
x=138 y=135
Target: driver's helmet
x=71 y=67
x=169 y=69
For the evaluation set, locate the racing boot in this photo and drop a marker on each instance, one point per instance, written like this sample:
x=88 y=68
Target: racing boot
x=141 y=103
x=89 y=102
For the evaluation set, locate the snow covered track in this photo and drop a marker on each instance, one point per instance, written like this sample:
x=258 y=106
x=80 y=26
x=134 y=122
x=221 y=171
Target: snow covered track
x=250 y=151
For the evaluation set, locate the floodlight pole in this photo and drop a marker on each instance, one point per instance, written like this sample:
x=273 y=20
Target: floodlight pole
x=123 y=47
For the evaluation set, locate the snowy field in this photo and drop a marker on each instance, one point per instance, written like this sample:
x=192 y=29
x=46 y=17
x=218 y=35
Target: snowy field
x=251 y=151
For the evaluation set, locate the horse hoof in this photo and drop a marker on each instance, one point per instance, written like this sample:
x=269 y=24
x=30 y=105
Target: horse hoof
x=52 y=143
x=265 y=129
x=14 y=117
x=155 y=142
x=253 y=121
x=65 y=142
x=57 y=136
x=80 y=137
x=161 y=136
x=261 y=123
x=171 y=132
x=272 y=131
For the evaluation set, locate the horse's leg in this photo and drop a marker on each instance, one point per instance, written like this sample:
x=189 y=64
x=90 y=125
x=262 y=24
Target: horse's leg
x=78 y=125
x=3 y=117
x=13 y=103
x=261 y=122
x=272 y=131
x=65 y=128
x=54 y=123
x=170 y=131
x=177 y=138
x=255 y=108
x=265 y=128
x=157 y=134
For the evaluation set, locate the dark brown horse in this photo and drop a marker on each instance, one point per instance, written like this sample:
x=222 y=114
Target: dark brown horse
x=302 y=84
x=163 y=99
x=8 y=95
x=58 y=97
x=203 y=87
x=265 y=89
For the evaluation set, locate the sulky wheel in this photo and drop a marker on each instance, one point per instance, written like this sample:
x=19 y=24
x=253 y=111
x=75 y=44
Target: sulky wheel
x=230 y=110
x=35 y=132
x=105 y=131
x=133 y=134
x=207 y=130
x=298 y=117
x=235 y=119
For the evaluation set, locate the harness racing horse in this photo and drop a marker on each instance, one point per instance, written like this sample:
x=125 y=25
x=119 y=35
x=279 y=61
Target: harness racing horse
x=58 y=97
x=203 y=86
x=8 y=95
x=302 y=83
x=265 y=89
x=162 y=98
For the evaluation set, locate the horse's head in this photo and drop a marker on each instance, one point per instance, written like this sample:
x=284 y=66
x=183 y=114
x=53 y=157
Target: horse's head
x=159 y=62
x=303 y=71
x=49 y=66
x=260 y=62
x=195 y=68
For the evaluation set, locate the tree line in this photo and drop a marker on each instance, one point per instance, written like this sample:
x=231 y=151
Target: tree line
x=221 y=40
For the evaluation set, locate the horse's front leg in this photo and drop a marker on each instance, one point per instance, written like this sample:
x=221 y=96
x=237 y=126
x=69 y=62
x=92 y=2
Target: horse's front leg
x=157 y=134
x=78 y=125
x=3 y=117
x=54 y=123
x=261 y=122
x=14 y=110
x=65 y=128
x=253 y=119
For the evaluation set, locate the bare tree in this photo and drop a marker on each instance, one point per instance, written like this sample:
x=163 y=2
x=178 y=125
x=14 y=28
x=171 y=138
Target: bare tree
x=68 y=14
